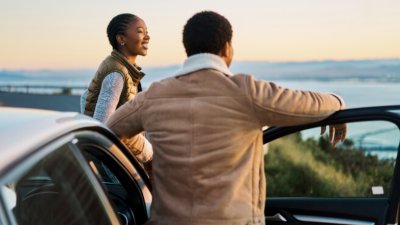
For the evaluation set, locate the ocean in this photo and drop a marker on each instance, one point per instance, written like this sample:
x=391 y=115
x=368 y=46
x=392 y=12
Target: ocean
x=360 y=82
x=355 y=93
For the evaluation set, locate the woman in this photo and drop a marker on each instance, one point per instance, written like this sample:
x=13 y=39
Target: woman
x=117 y=79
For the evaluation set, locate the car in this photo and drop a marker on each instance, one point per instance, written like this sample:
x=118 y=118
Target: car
x=66 y=168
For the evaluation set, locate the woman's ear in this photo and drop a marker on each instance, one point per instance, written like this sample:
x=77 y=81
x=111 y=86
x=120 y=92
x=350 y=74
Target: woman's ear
x=120 y=39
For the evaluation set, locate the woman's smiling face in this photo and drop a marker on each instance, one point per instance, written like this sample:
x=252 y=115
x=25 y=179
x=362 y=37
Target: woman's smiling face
x=136 y=38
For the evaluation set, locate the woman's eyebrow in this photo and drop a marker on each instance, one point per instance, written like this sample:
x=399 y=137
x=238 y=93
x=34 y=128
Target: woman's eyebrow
x=140 y=27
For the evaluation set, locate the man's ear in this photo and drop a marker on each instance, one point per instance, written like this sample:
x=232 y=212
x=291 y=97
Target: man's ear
x=225 y=51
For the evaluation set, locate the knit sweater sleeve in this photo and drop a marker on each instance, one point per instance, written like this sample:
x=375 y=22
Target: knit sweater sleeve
x=108 y=99
x=83 y=101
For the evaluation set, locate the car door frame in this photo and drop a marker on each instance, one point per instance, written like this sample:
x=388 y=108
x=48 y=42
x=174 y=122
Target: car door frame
x=106 y=141
x=385 y=113
x=104 y=137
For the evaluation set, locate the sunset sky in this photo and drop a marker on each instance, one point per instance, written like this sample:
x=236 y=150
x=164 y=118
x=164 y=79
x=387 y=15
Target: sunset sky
x=71 y=34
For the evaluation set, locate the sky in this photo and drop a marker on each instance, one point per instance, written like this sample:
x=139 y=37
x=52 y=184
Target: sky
x=71 y=34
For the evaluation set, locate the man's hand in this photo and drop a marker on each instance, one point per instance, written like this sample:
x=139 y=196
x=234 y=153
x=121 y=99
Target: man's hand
x=337 y=132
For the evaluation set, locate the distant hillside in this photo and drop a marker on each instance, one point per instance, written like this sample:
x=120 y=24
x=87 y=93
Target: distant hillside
x=10 y=75
x=358 y=70
x=362 y=70
x=53 y=76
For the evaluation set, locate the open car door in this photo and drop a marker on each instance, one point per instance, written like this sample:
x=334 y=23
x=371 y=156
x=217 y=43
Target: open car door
x=358 y=182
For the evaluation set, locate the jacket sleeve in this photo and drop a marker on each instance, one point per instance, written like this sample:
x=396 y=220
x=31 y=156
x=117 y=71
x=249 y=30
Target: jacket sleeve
x=126 y=123
x=278 y=106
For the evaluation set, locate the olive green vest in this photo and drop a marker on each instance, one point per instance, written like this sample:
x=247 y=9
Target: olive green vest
x=116 y=62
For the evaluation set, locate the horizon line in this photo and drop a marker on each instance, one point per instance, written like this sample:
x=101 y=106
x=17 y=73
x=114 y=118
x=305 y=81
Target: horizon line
x=234 y=62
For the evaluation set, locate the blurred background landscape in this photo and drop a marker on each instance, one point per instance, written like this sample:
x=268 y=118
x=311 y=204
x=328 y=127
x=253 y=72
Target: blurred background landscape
x=360 y=82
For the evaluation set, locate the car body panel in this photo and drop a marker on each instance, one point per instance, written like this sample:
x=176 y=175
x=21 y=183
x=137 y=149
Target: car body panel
x=24 y=130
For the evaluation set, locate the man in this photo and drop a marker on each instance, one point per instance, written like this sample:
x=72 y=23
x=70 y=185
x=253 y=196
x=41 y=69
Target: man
x=205 y=125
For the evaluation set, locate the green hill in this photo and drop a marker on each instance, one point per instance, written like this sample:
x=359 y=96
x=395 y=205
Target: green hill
x=312 y=168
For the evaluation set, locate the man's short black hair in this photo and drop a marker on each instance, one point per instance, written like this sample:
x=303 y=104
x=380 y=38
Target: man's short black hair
x=206 y=32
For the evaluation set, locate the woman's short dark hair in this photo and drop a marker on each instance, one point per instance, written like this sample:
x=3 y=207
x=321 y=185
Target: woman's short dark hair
x=118 y=25
x=206 y=32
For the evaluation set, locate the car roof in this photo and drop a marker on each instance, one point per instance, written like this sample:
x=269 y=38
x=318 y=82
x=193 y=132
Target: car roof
x=23 y=130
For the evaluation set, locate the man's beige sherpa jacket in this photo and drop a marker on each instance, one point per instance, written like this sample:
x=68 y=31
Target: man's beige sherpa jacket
x=205 y=125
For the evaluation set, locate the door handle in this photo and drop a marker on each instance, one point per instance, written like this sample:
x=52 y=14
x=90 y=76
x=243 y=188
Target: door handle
x=277 y=218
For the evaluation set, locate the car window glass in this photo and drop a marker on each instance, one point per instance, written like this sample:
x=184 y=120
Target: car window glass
x=305 y=164
x=55 y=190
x=6 y=204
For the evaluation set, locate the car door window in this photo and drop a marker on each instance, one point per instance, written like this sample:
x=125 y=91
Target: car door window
x=55 y=190
x=304 y=164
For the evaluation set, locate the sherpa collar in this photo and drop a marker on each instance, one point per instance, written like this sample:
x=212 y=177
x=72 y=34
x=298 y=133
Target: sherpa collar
x=203 y=61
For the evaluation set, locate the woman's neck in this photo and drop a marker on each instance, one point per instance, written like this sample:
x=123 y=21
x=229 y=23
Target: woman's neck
x=131 y=58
